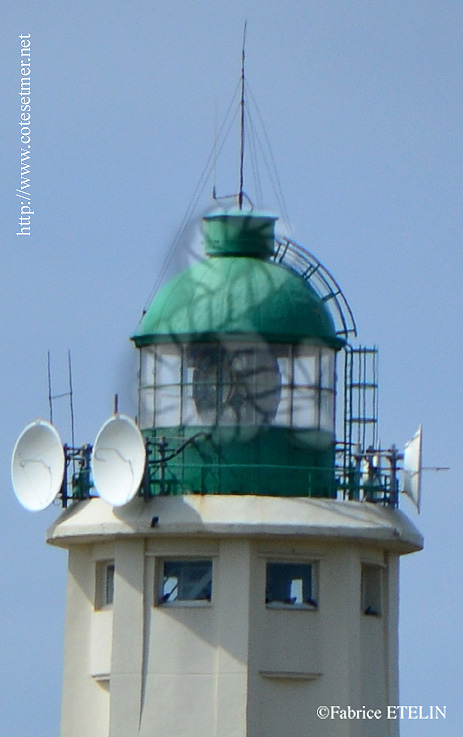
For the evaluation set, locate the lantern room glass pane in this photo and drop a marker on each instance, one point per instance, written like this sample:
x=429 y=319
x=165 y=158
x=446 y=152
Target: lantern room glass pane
x=305 y=372
x=284 y=363
x=202 y=377
x=168 y=365
x=234 y=384
x=283 y=415
x=146 y=408
x=167 y=409
x=305 y=408
x=327 y=410
x=327 y=368
x=190 y=414
x=147 y=366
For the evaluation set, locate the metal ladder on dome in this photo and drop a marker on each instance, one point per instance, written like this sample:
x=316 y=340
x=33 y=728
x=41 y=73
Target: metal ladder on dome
x=298 y=259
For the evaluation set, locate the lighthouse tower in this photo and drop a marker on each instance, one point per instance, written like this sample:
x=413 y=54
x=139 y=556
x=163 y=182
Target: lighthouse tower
x=253 y=577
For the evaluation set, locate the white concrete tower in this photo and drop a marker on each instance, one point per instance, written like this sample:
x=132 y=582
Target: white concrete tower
x=254 y=577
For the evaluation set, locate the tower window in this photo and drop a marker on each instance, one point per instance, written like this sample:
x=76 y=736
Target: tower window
x=104 y=583
x=186 y=581
x=291 y=585
x=371 y=589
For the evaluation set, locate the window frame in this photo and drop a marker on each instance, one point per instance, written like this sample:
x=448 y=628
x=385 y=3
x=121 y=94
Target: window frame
x=313 y=603
x=372 y=589
x=160 y=582
x=105 y=571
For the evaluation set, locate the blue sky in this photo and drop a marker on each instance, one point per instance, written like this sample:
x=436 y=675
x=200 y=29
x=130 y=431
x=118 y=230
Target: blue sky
x=362 y=103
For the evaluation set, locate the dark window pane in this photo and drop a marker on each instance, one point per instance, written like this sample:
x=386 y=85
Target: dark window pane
x=109 y=589
x=371 y=590
x=290 y=583
x=187 y=581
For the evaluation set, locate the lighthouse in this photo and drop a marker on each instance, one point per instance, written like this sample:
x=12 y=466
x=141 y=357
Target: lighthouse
x=245 y=578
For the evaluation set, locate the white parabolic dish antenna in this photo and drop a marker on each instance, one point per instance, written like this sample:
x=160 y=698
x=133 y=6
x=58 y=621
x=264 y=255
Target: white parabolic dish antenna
x=118 y=460
x=412 y=468
x=37 y=465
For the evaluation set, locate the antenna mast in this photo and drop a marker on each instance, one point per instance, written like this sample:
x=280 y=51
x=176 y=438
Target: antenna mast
x=70 y=394
x=50 y=398
x=71 y=400
x=240 y=195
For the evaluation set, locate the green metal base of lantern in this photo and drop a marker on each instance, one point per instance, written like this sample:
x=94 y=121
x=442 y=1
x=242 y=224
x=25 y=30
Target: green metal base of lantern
x=272 y=461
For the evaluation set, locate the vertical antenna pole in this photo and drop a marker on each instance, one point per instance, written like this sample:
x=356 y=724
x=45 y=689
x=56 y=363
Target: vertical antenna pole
x=64 y=485
x=214 y=188
x=240 y=195
x=50 y=398
x=71 y=402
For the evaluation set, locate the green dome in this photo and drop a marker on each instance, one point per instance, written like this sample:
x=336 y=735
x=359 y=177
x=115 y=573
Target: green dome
x=237 y=296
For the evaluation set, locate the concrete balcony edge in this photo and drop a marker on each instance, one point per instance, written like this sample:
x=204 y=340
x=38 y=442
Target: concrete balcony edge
x=93 y=520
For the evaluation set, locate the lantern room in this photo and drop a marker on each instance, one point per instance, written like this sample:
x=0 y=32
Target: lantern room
x=238 y=371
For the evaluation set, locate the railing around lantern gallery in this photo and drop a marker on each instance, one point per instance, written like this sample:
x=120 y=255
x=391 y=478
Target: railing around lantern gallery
x=354 y=484
x=372 y=476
